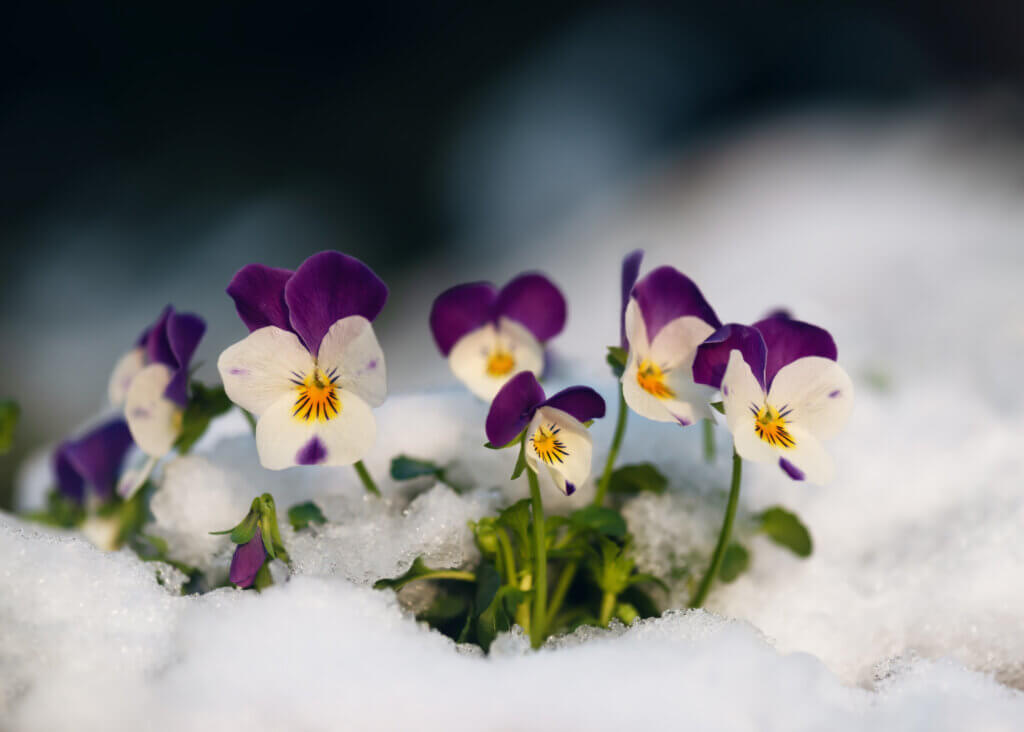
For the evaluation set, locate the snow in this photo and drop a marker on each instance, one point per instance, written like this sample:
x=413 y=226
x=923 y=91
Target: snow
x=899 y=236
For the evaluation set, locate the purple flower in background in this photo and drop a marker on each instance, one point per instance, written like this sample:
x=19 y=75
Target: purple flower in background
x=151 y=380
x=666 y=319
x=490 y=335
x=556 y=435
x=782 y=392
x=93 y=461
x=311 y=367
x=247 y=560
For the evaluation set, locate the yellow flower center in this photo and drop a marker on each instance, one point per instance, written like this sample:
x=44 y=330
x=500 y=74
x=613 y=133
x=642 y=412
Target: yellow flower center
x=651 y=379
x=500 y=363
x=317 y=396
x=548 y=445
x=770 y=426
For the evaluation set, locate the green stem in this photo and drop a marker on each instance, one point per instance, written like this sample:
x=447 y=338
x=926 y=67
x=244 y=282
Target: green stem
x=613 y=451
x=709 y=441
x=506 y=551
x=723 y=537
x=607 y=606
x=564 y=582
x=540 y=575
x=452 y=574
x=364 y=476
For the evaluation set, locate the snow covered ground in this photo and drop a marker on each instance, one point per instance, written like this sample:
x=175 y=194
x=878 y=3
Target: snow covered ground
x=904 y=237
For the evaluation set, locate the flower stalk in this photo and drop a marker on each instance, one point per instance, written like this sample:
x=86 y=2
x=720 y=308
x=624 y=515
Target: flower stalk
x=364 y=476
x=613 y=451
x=723 y=537
x=540 y=577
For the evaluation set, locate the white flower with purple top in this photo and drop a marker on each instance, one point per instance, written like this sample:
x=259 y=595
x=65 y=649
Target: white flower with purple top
x=782 y=392
x=556 y=434
x=490 y=335
x=666 y=319
x=90 y=465
x=311 y=368
x=151 y=380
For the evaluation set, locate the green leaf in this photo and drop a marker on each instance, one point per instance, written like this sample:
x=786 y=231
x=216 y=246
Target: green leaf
x=626 y=612
x=785 y=529
x=263 y=578
x=498 y=615
x=9 y=414
x=641 y=601
x=204 y=404
x=641 y=577
x=243 y=533
x=719 y=406
x=419 y=570
x=445 y=607
x=633 y=479
x=616 y=359
x=60 y=511
x=520 y=462
x=404 y=467
x=601 y=520
x=516 y=518
x=302 y=515
x=734 y=562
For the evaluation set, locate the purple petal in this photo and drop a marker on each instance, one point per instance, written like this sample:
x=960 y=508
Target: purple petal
x=630 y=271
x=248 y=559
x=184 y=331
x=258 y=292
x=787 y=340
x=712 y=356
x=581 y=402
x=533 y=300
x=570 y=488
x=461 y=310
x=158 y=348
x=327 y=287
x=666 y=294
x=312 y=453
x=96 y=458
x=69 y=482
x=513 y=408
x=791 y=470
x=778 y=313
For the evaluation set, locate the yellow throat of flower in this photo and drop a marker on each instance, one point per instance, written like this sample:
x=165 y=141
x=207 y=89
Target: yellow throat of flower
x=548 y=445
x=770 y=426
x=651 y=379
x=500 y=363
x=317 y=396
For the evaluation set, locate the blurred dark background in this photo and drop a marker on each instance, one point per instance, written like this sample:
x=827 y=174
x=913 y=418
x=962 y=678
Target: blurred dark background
x=150 y=150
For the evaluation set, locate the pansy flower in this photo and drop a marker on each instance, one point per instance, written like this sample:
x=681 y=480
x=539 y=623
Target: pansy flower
x=311 y=367
x=666 y=319
x=782 y=392
x=92 y=462
x=490 y=335
x=556 y=434
x=247 y=560
x=151 y=380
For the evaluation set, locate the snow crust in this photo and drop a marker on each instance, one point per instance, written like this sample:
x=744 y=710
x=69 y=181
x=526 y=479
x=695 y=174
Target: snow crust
x=907 y=615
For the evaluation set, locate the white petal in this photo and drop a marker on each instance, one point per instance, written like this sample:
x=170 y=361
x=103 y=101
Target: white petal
x=571 y=460
x=345 y=438
x=740 y=391
x=676 y=343
x=134 y=478
x=809 y=457
x=636 y=330
x=153 y=420
x=351 y=347
x=259 y=369
x=689 y=403
x=126 y=369
x=749 y=445
x=819 y=393
x=470 y=355
x=101 y=532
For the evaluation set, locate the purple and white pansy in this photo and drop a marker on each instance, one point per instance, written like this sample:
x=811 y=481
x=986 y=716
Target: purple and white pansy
x=490 y=335
x=91 y=464
x=311 y=368
x=666 y=319
x=151 y=380
x=556 y=434
x=782 y=392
